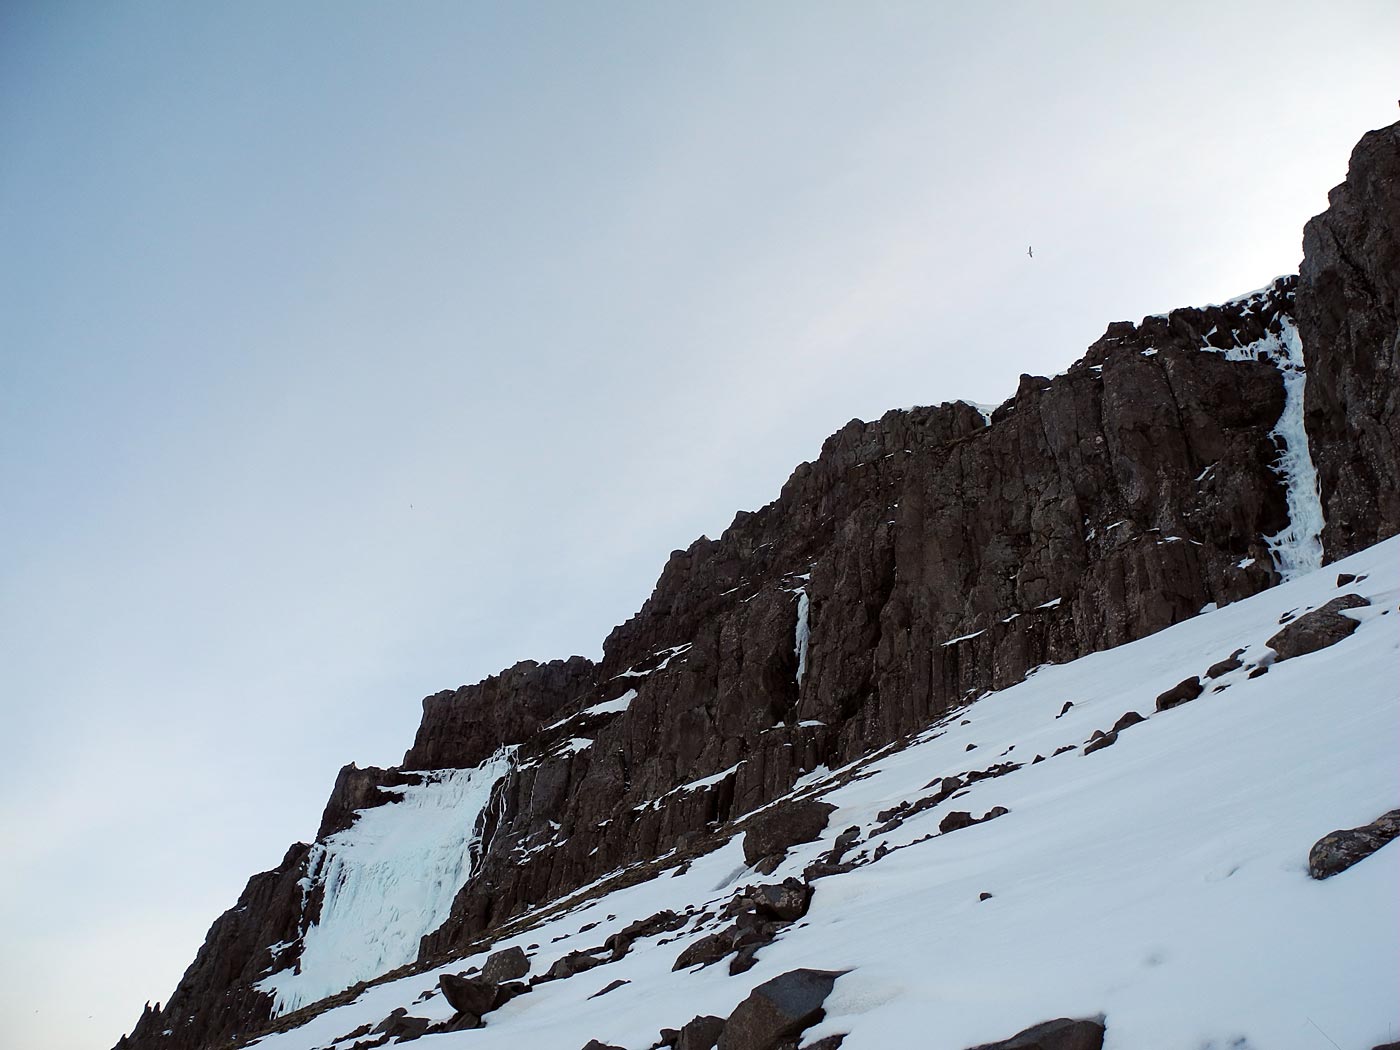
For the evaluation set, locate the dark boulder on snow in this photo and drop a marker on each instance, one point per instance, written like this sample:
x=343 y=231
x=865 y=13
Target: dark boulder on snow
x=1099 y=742
x=621 y=942
x=1225 y=666
x=470 y=995
x=506 y=965
x=961 y=818
x=573 y=963
x=784 y=825
x=700 y=1033
x=1125 y=720
x=598 y=1044
x=703 y=952
x=1060 y=1034
x=402 y=1027
x=777 y=1010
x=1318 y=629
x=785 y=901
x=1339 y=850
x=1179 y=694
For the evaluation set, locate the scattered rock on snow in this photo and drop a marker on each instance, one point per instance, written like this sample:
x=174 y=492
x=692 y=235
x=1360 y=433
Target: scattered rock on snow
x=700 y=1033
x=786 y=901
x=961 y=818
x=470 y=994
x=505 y=965
x=1128 y=718
x=1339 y=850
x=574 y=962
x=1098 y=743
x=1225 y=666
x=784 y=825
x=1318 y=629
x=1060 y=1034
x=663 y=921
x=703 y=952
x=398 y=1025
x=1179 y=694
x=777 y=1010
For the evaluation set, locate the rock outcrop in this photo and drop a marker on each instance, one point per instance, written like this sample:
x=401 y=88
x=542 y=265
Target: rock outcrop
x=1339 y=850
x=1349 y=321
x=918 y=561
x=1061 y=1034
x=1318 y=629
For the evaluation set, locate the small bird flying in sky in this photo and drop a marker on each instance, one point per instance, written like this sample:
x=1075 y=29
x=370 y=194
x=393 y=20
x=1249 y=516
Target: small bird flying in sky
x=1030 y=254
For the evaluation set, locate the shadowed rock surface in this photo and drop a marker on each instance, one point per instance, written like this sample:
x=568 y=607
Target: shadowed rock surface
x=1060 y=1034
x=1339 y=850
x=778 y=1009
x=1351 y=345
x=1318 y=629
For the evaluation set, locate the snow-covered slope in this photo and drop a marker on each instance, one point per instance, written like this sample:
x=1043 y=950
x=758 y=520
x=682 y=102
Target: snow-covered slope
x=1161 y=882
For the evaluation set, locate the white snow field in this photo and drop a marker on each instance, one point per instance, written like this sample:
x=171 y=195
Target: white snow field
x=1161 y=881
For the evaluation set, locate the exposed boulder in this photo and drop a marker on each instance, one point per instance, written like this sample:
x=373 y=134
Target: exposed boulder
x=784 y=825
x=778 y=1009
x=1179 y=694
x=1339 y=850
x=700 y=1033
x=1060 y=1034
x=402 y=1027
x=611 y=986
x=1225 y=666
x=572 y=963
x=703 y=952
x=1099 y=742
x=1126 y=719
x=470 y=994
x=508 y=964
x=960 y=818
x=664 y=921
x=785 y=901
x=1318 y=629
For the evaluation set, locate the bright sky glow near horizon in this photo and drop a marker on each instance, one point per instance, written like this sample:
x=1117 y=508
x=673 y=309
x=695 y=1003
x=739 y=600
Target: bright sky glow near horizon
x=350 y=352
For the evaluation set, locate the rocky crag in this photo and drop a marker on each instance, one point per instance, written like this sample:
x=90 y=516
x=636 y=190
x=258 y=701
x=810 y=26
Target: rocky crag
x=919 y=561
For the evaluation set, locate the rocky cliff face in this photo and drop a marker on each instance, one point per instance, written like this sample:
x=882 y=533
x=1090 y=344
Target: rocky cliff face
x=920 y=560
x=1350 y=324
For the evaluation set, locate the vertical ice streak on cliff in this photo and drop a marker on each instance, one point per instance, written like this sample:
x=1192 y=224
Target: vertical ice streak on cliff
x=1297 y=547
x=388 y=880
x=803 y=633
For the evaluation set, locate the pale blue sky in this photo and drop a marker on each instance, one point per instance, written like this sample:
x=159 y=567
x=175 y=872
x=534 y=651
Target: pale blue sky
x=349 y=352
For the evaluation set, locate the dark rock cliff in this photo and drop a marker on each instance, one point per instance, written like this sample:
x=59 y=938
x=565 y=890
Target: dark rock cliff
x=1350 y=326
x=919 y=560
